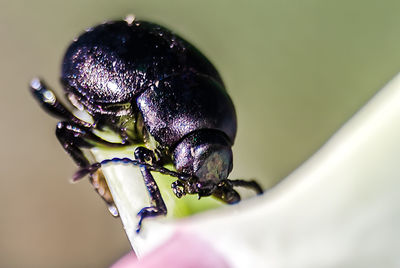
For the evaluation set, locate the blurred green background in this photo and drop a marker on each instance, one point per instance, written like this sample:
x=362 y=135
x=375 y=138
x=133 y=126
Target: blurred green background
x=296 y=71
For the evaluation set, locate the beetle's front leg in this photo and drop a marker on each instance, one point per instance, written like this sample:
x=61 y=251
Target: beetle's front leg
x=158 y=206
x=178 y=188
x=50 y=103
x=74 y=138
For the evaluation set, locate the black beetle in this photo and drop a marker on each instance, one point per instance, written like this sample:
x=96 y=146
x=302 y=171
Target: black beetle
x=148 y=85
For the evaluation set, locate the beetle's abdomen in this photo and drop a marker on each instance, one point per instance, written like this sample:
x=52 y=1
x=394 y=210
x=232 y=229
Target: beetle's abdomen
x=183 y=103
x=115 y=61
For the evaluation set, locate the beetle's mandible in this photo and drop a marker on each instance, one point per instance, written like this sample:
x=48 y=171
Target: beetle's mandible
x=149 y=86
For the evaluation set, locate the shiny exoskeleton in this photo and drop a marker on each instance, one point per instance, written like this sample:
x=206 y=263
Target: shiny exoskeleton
x=149 y=86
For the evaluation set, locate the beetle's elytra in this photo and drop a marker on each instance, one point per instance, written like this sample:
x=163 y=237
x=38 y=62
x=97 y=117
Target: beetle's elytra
x=150 y=86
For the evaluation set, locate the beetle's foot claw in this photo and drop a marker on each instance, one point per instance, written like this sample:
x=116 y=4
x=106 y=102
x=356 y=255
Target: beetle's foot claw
x=178 y=189
x=147 y=212
x=178 y=192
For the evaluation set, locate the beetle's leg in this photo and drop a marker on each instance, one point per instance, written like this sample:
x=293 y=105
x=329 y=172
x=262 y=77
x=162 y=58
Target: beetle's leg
x=178 y=188
x=248 y=184
x=158 y=206
x=99 y=184
x=48 y=100
x=204 y=188
x=74 y=137
x=71 y=138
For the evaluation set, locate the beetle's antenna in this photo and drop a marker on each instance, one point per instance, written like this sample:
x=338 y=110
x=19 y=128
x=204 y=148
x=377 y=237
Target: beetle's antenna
x=94 y=167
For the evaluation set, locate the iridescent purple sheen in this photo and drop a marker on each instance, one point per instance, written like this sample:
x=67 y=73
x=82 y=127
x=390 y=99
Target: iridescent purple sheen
x=115 y=61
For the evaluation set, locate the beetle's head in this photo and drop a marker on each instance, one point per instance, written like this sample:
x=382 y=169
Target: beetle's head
x=206 y=154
